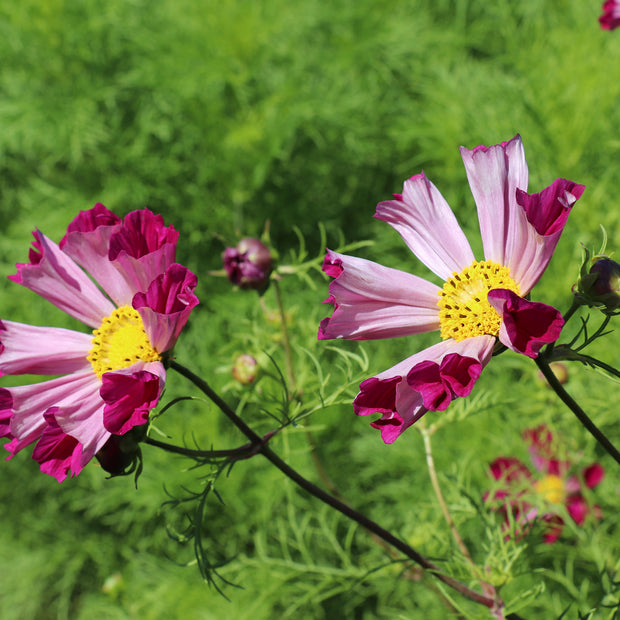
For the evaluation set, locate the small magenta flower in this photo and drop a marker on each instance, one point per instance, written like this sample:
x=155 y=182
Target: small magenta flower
x=550 y=485
x=610 y=19
x=111 y=378
x=248 y=264
x=479 y=303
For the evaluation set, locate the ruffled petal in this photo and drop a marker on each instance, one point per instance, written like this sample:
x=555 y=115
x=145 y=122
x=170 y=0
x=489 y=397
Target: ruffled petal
x=90 y=220
x=55 y=276
x=577 y=508
x=610 y=19
x=555 y=525
x=84 y=421
x=129 y=397
x=27 y=349
x=453 y=375
x=494 y=174
x=166 y=305
x=6 y=413
x=142 y=249
x=56 y=452
x=526 y=325
x=546 y=213
x=593 y=475
x=31 y=402
x=390 y=394
x=543 y=451
x=372 y=301
x=427 y=225
x=510 y=469
x=88 y=243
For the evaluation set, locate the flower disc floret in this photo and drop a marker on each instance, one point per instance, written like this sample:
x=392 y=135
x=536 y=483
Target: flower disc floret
x=552 y=489
x=120 y=342
x=464 y=310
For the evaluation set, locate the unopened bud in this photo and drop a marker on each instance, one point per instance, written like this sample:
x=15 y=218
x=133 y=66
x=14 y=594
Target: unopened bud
x=245 y=369
x=249 y=264
x=607 y=283
x=599 y=287
x=121 y=454
x=559 y=370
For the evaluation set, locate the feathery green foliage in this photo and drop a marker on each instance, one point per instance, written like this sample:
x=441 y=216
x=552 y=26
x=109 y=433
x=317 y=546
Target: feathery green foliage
x=221 y=116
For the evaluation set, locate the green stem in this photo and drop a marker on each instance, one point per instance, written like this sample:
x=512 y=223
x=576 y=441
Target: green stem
x=574 y=307
x=582 y=416
x=430 y=464
x=562 y=353
x=288 y=354
x=569 y=313
x=328 y=499
x=487 y=588
x=242 y=452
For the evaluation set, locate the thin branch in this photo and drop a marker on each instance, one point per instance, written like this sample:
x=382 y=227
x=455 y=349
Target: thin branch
x=582 y=416
x=328 y=499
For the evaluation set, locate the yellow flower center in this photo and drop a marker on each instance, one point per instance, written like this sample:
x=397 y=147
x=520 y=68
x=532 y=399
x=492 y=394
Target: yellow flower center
x=551 y=487
x=120 y=342
x=464 y=310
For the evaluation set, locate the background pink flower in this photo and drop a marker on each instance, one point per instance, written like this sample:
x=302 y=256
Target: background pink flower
x=610 y=19
x=522 y=491
x=111 y=378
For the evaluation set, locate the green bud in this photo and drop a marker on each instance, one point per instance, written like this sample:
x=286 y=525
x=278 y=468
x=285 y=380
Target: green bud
x=245 y=369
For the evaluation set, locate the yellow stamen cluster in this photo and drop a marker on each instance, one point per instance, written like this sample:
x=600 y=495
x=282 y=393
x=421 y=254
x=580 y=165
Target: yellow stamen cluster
x=120 y=342
x=464 y=310
x=551 y=487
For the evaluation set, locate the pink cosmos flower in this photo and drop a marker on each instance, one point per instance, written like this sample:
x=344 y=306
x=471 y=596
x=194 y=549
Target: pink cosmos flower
x=111 y=378
x=610 y=19
x=480 y=301
x=550 y=484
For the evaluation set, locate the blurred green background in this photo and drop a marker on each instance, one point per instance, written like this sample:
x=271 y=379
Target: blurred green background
x=222 y=116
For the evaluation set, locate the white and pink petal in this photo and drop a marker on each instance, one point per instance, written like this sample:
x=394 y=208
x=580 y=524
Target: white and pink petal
x=372 y=301
x=450 y=370
x=142 y=249
x=400 y=392
x=31 y=402
x=87 y=241
x=56 y=277
x=494 y=174
x=546 y=213
x=57 y=453
x=129 y=396
x=166 y=304
x=428 y=226
x=28 y=349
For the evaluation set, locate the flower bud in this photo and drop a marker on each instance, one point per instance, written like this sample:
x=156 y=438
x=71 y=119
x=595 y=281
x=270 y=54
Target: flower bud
x=245 y=369
x=600 y=287
x=559 y=370
x=608 y=278
x=121 y=454
x=249 y=264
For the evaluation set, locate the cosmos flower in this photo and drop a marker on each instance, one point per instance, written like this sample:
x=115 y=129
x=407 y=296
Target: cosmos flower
x=610 y=19
x=479 y=303
x=549 y=486
x=112 y=377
